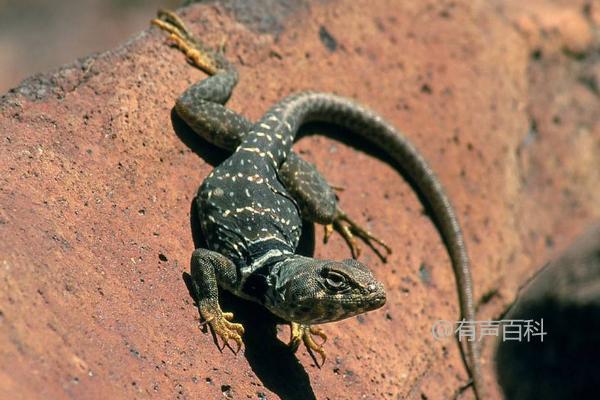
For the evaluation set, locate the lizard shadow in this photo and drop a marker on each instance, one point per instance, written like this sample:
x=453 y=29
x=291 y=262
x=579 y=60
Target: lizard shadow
x=271 y=360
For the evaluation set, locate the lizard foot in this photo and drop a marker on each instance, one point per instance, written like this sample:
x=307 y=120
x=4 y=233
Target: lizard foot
x=183 y=39
x=305 y=333
x=221 y=325
x=348 y=228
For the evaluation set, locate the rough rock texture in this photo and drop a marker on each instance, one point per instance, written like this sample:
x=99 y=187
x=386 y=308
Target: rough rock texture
x=98 y=178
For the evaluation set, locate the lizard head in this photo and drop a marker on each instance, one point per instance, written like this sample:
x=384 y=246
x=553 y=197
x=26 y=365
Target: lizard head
x=313 y=291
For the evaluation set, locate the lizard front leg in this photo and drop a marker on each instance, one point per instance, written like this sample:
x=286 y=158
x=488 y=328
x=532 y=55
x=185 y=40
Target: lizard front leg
x=208 y=268
x=318 y=203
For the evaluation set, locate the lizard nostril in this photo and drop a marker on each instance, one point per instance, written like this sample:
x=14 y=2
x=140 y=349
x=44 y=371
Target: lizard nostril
x=372 y=288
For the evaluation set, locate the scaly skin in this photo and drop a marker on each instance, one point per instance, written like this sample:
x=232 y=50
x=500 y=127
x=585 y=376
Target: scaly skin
x=252 y=205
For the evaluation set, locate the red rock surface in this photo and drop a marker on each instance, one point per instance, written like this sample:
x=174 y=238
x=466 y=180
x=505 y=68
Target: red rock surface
x=98 y=179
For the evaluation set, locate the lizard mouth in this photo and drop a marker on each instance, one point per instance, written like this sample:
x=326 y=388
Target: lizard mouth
x=331 y=311
x=356 y=306
x=374 y=301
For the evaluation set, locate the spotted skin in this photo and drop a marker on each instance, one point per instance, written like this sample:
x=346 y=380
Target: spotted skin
x=252 y=205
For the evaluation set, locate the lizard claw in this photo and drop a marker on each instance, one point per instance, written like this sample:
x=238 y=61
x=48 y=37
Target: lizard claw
x=348 y=228
x=305 y=333
x=221 y=325
x=182 y=38
x=328 y=230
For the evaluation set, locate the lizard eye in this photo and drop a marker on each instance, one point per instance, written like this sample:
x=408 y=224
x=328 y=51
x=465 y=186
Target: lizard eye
x=335 y=281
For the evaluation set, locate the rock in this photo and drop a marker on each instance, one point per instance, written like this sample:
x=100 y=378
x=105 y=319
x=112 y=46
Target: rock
x=99 y=176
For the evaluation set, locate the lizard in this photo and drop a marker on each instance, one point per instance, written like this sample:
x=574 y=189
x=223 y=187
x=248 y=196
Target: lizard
x=252 y=205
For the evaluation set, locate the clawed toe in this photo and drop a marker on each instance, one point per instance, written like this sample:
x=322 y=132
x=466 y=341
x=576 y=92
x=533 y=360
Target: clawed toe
x=304 y=333
x=229 y=331
x=170 y=22
x=349 y=230
x=183 y=39
x=221 y=325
